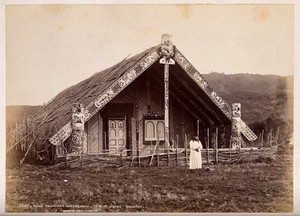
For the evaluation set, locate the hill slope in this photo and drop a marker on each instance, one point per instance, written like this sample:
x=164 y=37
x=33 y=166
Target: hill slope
x=261 y=96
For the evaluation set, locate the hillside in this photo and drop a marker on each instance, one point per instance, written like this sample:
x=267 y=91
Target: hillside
x=267 y=100
x=255 y=83
x=260 y=95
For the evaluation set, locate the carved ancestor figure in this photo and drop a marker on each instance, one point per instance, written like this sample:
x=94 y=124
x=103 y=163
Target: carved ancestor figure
x=77 y=128
x=167 y=47
x=236 y=138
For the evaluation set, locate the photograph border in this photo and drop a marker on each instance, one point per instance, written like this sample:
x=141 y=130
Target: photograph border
x=3 y=78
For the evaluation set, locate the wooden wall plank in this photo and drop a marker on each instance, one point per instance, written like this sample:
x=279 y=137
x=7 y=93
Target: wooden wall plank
x=93 y=134
x=100 y=133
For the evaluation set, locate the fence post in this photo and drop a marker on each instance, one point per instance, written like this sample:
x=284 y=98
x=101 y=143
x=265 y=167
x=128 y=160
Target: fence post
x=139 y=157
x=270 y=138
x=277 y=136
x=262 y=138
x=207 y=146
x=158 y=154
x=216 y=145
x=177 y=150
x=121 y=156
x=185 y=146
x=168 y=154
x=105 y=140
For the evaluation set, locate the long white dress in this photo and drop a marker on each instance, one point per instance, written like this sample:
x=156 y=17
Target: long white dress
x=195 y=156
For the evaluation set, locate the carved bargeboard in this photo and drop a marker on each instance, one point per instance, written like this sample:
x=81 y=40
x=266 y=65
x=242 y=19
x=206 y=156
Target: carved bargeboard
x=211 y=93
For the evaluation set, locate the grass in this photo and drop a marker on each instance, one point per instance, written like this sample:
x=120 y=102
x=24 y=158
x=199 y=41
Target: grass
x=248 y=187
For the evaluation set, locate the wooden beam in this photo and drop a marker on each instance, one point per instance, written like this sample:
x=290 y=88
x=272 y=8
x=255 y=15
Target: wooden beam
x=186 y=98
x=189 y=110
x=183 y=101
x=201 y=103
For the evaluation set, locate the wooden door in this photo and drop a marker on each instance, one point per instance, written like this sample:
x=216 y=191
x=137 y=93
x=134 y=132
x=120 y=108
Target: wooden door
x=117 y=136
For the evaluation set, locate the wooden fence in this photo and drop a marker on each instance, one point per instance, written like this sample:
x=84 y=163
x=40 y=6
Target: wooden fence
x=22 y=137
x=175 y=157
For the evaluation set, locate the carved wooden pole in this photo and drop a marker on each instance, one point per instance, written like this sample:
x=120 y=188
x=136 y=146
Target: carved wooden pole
x=77 y=128
x=236 y=138
x=167 y=51
x=167 y=129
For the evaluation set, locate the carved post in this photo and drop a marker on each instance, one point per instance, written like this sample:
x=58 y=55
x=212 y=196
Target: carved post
x=167 y=51
x=236 y=138
x=167 y=113
x=77 y=128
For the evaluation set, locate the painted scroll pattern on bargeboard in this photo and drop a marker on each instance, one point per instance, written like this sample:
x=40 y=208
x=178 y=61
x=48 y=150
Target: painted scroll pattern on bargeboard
x=109 y=94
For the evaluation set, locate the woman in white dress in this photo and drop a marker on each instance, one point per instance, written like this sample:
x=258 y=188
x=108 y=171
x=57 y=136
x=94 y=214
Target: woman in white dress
x=195 y=153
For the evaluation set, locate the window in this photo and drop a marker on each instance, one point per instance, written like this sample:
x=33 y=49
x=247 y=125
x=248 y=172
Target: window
x=154 y=129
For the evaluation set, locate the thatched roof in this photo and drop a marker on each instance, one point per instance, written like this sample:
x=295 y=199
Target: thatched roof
x=58 y=110
x=100 y=88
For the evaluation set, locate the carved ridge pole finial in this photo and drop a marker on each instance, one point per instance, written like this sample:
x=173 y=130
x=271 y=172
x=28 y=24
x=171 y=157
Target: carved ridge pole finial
x=167 y=49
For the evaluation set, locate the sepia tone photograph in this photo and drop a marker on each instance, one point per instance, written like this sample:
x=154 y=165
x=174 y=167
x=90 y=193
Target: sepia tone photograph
x=130 y=108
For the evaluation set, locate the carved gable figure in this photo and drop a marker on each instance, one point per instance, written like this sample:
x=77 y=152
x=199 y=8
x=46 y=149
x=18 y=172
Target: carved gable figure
x=167 y=47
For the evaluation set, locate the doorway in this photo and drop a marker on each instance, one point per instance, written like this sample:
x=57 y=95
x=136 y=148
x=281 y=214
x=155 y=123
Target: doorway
x=117 y=136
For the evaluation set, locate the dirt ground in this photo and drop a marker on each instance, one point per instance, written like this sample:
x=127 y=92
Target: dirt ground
x=265 y=186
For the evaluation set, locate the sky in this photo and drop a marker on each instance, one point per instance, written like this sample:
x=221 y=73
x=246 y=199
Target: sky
x=52 y=47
